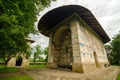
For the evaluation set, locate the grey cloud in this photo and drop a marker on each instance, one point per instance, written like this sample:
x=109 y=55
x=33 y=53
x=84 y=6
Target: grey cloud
x=40 y=40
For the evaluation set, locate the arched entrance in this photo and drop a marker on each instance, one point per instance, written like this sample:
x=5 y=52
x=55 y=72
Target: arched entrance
x=18 y=61
x=65 y=58
x=96 y=59
x=63 y=45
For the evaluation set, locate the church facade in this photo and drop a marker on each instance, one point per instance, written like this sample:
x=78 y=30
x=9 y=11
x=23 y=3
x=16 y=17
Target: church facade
x=76 y=41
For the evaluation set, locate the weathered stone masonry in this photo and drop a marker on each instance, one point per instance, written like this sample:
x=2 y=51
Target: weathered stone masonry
x=76 y=44
x=73 y=43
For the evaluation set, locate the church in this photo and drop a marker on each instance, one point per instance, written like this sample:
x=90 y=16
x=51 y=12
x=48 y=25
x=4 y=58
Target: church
x=76 y=39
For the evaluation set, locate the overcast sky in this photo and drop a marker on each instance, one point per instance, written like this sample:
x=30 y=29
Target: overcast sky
x=107 y=12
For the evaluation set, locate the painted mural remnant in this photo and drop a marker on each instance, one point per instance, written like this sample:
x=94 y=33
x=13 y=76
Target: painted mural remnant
x=76 y=39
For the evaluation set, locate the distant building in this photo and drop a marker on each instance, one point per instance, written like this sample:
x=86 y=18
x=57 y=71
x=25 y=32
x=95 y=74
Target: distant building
x=76 y=39
x=19 y=59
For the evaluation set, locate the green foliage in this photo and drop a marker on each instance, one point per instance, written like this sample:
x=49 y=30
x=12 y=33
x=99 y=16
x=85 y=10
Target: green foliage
x=37 y=66
x=118 y=77
x=18 y=77
x=116 y=49
x=38 y=52
x=17 y=19
x=46 y=51
x=40 y=55
x=46 y=54
x=108 y=47
x=8 y=70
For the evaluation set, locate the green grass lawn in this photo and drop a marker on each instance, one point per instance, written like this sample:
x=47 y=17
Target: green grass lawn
x=37 y=66
x=15 y=69
x=8 y=69
x=118 y=77
x=12 y=70
x=18 y=77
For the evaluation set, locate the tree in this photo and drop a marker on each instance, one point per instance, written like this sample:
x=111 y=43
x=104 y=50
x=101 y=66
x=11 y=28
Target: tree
x=46 y=54
x=116 y=49
x=113 y=50
x=37 y=53
x=17 y=19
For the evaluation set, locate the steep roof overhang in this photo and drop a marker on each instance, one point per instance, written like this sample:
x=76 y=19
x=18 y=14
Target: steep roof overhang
x=57 y=15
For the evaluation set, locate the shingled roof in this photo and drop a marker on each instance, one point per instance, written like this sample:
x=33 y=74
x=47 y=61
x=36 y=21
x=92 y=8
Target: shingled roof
x=57 y=15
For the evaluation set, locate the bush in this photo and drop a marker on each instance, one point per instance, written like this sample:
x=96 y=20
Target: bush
x=118 y=77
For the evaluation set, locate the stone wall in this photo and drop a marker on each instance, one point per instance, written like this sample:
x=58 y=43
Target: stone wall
x=91 y=47
x=12 y=62
x=74 y=42
x=25 y=62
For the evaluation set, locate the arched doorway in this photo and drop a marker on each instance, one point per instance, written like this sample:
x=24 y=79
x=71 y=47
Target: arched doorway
x=63 y=45
x=18 y=61
x=96 y=59
x=65 y=58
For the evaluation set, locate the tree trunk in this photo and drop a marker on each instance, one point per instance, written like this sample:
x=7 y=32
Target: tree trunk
x=6 y=62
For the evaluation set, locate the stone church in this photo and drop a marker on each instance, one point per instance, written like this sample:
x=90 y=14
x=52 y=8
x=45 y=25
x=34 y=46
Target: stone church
x=76 y=39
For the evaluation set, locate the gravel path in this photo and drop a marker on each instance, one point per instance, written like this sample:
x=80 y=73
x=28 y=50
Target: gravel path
x=109 y=73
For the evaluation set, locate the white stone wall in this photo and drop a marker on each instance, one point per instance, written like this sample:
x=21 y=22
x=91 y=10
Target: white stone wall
x=90 y=42
x=87 y=47
x=12 y=62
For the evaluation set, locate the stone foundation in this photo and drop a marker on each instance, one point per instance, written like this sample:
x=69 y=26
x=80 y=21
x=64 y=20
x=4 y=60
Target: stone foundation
x=25 y=62
x=104 y=64
x=89 y=67
x=77 y=68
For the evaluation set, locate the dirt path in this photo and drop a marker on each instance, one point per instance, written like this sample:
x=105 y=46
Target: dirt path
x=2 y=75
x=109 y=73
